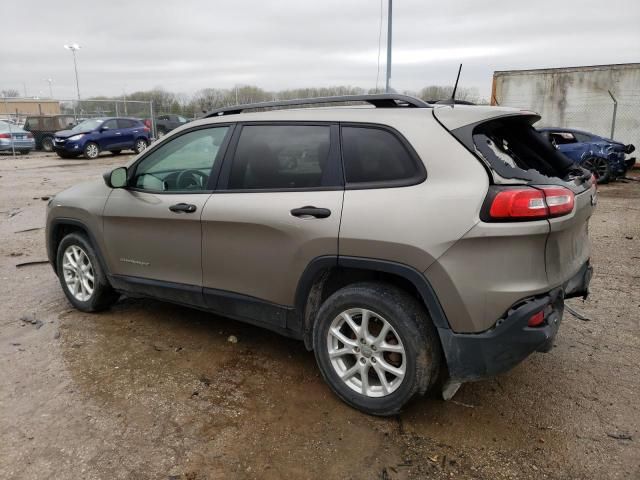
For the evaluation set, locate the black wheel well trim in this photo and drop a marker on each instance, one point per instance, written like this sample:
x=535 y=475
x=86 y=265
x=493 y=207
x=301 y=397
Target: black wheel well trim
x=319 y=264
x=52 y=232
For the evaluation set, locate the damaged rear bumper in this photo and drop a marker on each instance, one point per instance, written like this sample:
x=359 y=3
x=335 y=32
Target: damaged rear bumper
x=475 y=356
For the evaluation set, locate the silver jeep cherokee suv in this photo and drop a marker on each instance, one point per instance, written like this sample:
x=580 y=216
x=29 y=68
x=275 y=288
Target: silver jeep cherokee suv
x=405 y=243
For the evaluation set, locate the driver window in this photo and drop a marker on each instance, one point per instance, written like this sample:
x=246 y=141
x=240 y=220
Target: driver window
x=181 y=164
x=110 y=125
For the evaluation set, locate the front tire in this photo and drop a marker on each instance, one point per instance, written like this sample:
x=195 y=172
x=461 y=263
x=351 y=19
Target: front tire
x=376 y=347
x=91 y=151
x=81 y=276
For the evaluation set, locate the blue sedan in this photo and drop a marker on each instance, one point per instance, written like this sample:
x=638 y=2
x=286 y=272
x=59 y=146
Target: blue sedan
x=606 y=158
x=91 y=137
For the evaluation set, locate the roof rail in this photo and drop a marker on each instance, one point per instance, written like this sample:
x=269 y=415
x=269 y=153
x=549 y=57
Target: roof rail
x=382 y=100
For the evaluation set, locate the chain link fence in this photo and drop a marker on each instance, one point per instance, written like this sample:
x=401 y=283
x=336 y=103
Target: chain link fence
x=43 y=117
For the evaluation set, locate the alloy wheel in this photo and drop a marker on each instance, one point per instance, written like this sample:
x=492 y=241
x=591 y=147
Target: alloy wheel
x=366 y=352
x=92 y=151
x=141 y=145
x=597 y=165
x=78 y=272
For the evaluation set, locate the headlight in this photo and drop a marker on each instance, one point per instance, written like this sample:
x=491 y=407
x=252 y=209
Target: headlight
x=75 y=138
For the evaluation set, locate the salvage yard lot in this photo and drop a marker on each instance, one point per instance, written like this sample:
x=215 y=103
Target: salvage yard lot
x=152 y=390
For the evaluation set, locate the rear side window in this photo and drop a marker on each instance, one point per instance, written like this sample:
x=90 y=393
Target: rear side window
x=374 y=155
x=126 y=123
x=48 y=124
x=281 y=157
x=32 y=124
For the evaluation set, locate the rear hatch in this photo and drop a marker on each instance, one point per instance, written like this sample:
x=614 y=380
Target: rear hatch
x=518 y=158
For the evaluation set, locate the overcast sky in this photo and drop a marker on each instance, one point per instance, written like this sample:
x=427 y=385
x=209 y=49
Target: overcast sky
x=187 y=45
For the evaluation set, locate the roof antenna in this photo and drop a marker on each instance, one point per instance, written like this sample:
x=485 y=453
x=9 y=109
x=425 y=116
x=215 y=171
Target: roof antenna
x=452 y=101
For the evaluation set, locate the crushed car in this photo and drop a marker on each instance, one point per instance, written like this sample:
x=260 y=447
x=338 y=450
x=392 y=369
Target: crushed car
x=606 y=158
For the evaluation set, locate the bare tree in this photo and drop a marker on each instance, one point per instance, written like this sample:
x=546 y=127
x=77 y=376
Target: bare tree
x=9 y=92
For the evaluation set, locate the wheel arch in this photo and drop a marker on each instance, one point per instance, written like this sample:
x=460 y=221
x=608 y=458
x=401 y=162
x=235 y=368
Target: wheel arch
x=327 y=274
x=60 y=228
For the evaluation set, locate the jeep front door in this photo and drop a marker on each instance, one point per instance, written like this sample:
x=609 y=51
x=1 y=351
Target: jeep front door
x=152 y=228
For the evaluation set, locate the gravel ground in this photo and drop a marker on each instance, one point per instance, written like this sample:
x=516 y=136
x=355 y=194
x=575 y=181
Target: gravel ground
x=153 y=390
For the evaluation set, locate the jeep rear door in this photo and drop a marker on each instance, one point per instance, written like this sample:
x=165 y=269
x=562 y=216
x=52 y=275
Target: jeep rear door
x=277 y=207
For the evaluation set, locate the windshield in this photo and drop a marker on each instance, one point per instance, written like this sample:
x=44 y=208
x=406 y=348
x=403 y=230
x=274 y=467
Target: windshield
x=88 y=125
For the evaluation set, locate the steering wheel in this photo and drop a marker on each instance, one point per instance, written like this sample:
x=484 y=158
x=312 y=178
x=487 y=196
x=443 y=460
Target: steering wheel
x=191 y=178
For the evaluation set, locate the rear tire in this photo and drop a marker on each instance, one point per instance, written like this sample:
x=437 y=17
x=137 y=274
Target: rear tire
x=77 y=260
x=403 y=363
x=140 y=145
x=91 y=151
x=599 y=167
x=47 y=144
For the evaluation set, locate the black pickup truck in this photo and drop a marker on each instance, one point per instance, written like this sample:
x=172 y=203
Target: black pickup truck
x=166 y=123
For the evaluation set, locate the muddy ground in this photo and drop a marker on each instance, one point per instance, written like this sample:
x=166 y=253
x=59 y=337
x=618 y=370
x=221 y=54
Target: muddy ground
x=152 y=390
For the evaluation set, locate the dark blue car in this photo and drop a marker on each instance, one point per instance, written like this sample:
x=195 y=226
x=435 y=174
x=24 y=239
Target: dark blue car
x=91 y=137
x=606 y=158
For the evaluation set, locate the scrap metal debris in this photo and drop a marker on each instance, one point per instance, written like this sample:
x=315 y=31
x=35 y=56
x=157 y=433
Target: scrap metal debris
x=33 y=262
x=576 y=314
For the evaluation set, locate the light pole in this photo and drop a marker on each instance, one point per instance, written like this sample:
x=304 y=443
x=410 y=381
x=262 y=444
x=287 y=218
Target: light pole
x=50 y=81
x=73 y=47
x=389 y=24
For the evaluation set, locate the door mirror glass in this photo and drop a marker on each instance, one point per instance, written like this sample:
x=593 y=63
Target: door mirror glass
x=118 y=177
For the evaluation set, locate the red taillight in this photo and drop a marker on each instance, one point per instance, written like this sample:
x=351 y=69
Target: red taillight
x=560 y=200
x=147 y=122
x=531 y=203
x=5 y=135
x=146 y=129
x=536 y=319
x=518 y=203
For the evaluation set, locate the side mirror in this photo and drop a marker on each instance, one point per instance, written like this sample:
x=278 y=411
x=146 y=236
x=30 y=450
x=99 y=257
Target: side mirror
x=103 y=129
x=116 y=178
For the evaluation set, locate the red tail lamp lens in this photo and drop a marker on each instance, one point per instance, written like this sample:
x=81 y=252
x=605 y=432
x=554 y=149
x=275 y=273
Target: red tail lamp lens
x=532 y=203
x=519 y=203
x=536 y=319
x=560 y=200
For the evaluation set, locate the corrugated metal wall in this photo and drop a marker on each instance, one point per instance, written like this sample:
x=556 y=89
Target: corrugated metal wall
x=577 y=97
